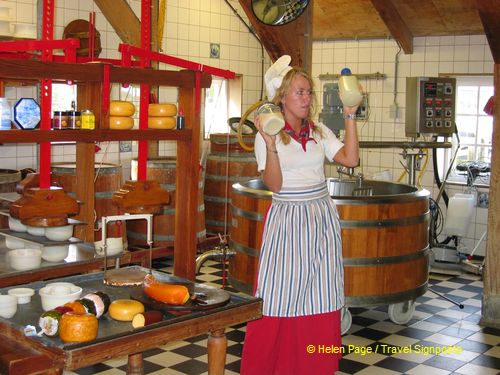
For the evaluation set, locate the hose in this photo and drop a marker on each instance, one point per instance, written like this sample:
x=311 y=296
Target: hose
x=252 y=108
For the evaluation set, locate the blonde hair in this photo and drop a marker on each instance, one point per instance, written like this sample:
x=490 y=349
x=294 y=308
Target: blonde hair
x=283 y=90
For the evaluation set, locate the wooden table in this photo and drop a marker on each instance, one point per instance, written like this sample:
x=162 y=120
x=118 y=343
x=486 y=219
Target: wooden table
x=20 y=354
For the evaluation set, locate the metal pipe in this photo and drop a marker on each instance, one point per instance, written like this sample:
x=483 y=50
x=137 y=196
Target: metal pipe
x=219 y=254
x=403 y=144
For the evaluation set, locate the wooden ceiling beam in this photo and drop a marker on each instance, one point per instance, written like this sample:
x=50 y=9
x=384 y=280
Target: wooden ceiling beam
x=123 y=20
x=396 y=25
x=294 y=38
x=489 y=12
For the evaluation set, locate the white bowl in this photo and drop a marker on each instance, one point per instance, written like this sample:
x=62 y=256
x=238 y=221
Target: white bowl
x=61 y=233
x=16 y=225
x=8 y=306
x=25 y=259
x=55 y=253
x=57 y=294
x=35 y=231
x=114 y=245
x=14 y=243
x=23 y=294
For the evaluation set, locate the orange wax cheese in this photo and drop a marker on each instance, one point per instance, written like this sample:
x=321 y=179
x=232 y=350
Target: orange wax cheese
x=75 y=327
x=162 y=110
x=161 y=122
x=121 y=108
x=172 y=294
x=121 y=122
x=124 y=310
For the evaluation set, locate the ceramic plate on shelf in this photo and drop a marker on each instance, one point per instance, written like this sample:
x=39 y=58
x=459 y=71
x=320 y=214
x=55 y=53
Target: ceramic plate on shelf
x=27 y=114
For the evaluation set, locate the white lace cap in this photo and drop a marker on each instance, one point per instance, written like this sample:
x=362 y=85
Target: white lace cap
x=274 y=75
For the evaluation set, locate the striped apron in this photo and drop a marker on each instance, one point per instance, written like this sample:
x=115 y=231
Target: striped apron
x=300 y=267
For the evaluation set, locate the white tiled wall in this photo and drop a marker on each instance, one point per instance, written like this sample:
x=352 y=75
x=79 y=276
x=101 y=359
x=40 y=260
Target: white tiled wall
x=191 y=25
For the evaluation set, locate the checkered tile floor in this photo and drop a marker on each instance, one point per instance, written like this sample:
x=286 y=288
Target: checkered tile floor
x=436 y=323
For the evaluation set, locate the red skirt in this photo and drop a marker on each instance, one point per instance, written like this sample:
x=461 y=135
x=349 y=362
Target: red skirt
x=299 y=345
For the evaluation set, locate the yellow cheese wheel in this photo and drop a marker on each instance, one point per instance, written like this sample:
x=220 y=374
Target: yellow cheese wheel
x=121 y=108
x=121 y=122
x=74 y=327
x=125 y=309
x=162 y=109
x=161 y=122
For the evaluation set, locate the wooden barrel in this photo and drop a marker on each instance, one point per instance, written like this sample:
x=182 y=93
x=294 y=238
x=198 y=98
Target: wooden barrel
x=384 y=240
x=249 y=203
x=8 y=181
x=227 y=163
x=107 y=179
x=163 y=170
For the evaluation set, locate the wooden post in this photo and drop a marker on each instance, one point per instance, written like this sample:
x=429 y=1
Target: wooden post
x=134 y=365
x=490 y=315
x=89 y=97
x=217 y=345
x=186 y=200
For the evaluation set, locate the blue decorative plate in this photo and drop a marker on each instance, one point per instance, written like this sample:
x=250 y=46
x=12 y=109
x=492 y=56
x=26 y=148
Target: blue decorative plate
x=27 y=114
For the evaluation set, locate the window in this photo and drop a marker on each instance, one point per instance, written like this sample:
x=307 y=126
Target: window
x=63 y=97
x=475 y=127
x=222 y=101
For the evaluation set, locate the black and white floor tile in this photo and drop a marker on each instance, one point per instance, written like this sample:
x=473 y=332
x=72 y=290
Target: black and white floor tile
x=436 y=323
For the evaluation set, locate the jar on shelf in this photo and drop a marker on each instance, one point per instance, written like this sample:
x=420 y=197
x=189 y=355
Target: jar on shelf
x=88 y=119
x=60 y=120
x=74 y=120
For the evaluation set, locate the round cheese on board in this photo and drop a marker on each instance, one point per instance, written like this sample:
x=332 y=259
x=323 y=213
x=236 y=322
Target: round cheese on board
x=121 y=122
x=162 y=109
x=125 y=309
x=161 y=122
x=121 y=108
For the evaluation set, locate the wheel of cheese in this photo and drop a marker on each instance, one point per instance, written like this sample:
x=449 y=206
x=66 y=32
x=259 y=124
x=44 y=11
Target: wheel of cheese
x=75 y=327
x=162 y=109
x=125 y=309
x=121 y=108
x=121 y=122
x=161 y=122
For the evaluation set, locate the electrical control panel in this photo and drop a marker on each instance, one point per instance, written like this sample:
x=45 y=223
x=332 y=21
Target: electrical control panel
x=430 y=106
x=331 y=114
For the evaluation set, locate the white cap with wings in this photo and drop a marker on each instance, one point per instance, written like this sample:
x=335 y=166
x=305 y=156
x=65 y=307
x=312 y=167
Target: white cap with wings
x=274 y=75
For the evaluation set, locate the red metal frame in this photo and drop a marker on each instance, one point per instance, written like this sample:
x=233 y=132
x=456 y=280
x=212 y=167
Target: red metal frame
x=142 y=156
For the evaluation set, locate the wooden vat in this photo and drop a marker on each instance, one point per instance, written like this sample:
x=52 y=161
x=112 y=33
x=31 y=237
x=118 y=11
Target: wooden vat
x=384 y=239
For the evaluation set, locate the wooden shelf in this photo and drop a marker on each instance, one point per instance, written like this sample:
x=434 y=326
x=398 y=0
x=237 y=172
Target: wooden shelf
x=92 y=81
x=97 y=135
x=20 y=69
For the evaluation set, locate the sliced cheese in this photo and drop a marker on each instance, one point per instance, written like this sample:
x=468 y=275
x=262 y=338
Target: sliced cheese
x=121 y=122
x=161 y=122
x=162 y=109
x=121 y=108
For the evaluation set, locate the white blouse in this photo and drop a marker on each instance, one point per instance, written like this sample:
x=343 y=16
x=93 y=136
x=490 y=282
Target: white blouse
x=301 y=168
